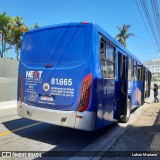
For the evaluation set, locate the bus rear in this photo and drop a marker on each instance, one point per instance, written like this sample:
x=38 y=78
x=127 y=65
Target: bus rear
x=55 y=76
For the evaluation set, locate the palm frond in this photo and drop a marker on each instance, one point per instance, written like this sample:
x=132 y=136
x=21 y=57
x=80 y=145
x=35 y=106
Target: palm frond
x=123 y=35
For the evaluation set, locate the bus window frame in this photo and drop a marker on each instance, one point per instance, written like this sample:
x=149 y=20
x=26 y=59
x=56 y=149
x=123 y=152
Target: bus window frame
x=134 y=70
x=102 y=38
x=139 y=69
x=130 y=68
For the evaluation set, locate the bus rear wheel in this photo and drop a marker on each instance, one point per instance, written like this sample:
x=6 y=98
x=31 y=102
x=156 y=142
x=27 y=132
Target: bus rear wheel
x=126 y=117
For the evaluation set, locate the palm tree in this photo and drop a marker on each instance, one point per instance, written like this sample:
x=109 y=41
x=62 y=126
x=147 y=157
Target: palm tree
x=18 y=28
x=36 y=25
x=11 y=30
x=4 y=30
x=123 y=35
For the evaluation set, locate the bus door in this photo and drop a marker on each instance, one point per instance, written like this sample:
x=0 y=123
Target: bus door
x=143 y=85
x=121 y=91
x=149 y=82
x=146 y=83
x=140 y=85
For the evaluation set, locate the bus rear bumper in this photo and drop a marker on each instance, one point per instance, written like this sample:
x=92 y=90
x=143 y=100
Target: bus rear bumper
x=61 y=118
x=73 y=119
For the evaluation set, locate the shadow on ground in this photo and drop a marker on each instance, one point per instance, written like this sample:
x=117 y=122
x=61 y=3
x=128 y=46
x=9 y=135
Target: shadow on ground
x=65 y=139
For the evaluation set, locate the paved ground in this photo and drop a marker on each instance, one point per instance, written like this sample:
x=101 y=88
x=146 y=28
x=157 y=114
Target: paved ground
x=8 y=108
x=141 y=133
x=7 y=104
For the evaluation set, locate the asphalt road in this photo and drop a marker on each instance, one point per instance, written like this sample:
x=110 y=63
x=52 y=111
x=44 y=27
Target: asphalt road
x=20 y=134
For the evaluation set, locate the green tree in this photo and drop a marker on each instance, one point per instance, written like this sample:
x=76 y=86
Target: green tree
x=4 y=31
x=11 y=30
x=154 y=79
x=18 y=28
x=123 y=35
x=36 y=25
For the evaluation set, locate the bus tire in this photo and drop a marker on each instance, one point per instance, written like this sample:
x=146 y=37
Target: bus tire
x=126 y=117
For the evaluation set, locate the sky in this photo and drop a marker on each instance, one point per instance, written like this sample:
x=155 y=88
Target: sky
x=106 y=13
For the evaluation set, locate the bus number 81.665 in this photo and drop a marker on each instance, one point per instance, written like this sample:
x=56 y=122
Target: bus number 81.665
x=61 y=81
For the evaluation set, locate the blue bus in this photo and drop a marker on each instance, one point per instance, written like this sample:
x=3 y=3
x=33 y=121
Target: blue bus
x=76 y=75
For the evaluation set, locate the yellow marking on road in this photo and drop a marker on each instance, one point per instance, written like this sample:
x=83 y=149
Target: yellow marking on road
x=18 y=129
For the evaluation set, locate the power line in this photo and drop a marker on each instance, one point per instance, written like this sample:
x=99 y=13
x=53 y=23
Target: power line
x=145 y=25
x=149 y=20
x=155 y=15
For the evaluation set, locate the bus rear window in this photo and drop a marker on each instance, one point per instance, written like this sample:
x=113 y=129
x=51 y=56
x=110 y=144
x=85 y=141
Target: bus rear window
x=56 y=45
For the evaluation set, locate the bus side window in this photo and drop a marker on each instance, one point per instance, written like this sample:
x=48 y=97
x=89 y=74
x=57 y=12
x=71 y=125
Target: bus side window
x=107 y=58
x=130 y=69
x=110 y=56
x=139 y=72
x=103 y=58
x=103 y=49
x=146 y=76
x=134 y=70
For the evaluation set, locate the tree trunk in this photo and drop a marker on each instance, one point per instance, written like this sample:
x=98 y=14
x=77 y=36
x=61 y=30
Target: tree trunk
x=2 y=47
x=17 y=54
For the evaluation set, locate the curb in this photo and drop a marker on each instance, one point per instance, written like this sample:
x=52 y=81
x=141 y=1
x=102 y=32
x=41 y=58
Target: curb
x=8 y=104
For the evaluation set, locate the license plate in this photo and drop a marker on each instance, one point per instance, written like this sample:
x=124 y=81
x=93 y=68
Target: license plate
x=46 y=98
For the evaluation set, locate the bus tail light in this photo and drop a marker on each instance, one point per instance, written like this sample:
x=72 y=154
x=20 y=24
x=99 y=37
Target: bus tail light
x=20 y=88
x=85 y=93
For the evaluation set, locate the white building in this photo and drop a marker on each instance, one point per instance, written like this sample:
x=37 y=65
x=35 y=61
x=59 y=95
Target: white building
x=154 y=67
